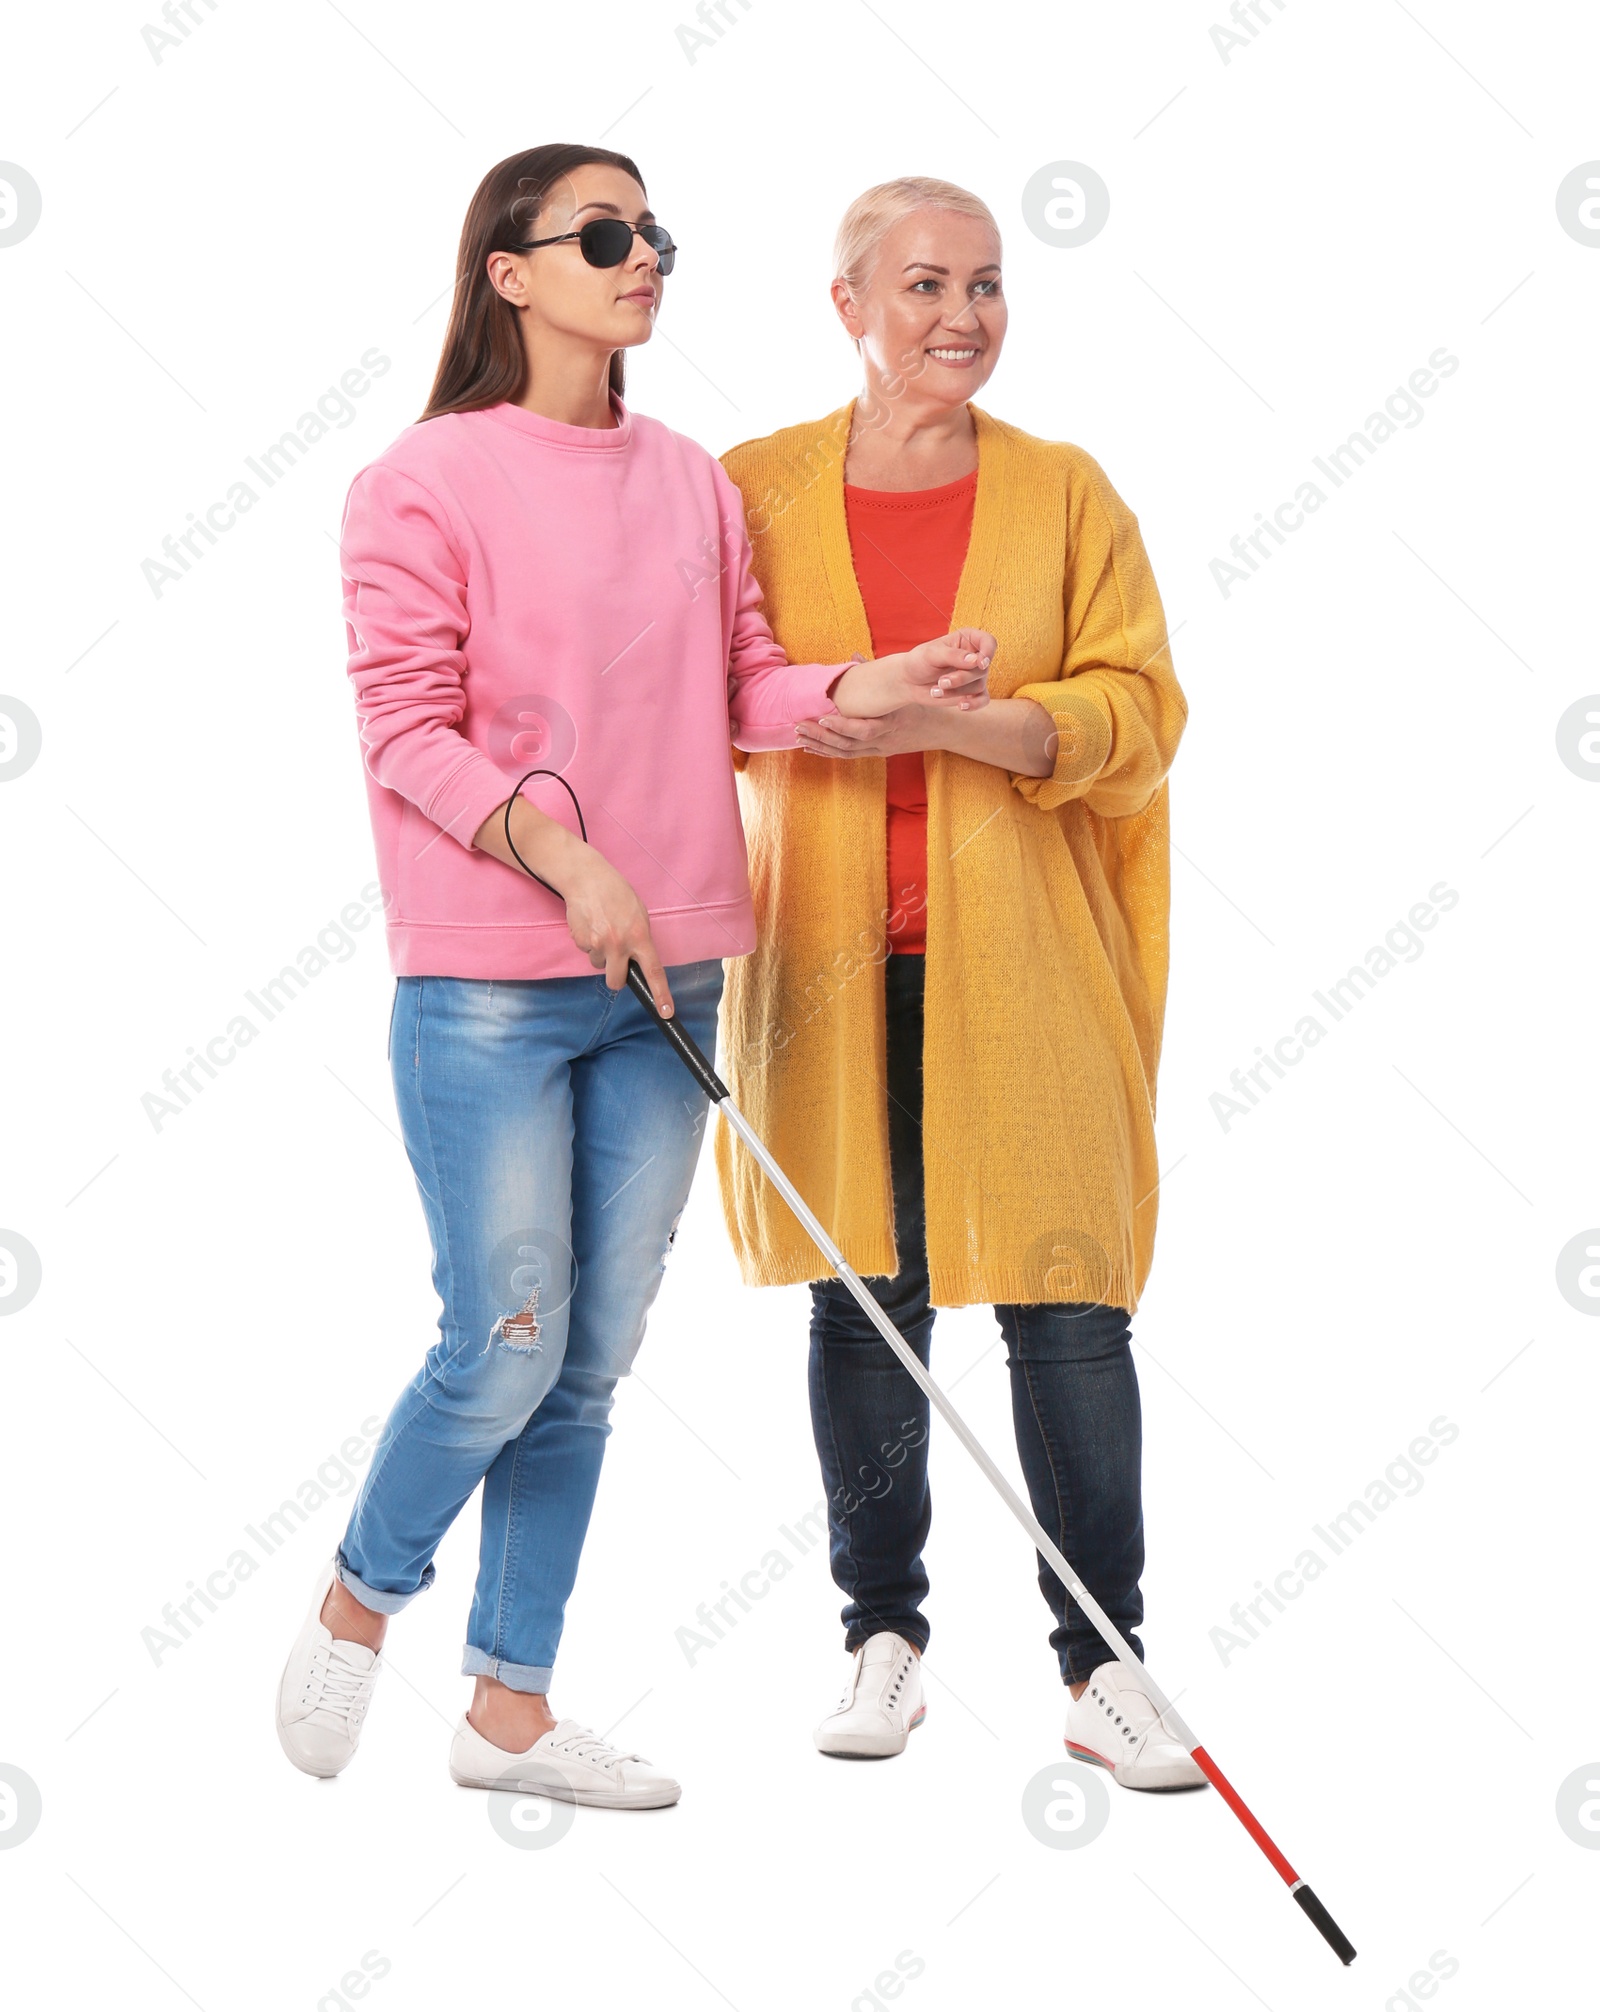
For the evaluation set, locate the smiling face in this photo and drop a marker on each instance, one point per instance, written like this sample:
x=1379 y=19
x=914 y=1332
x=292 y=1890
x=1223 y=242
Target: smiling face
x=566 y=298
x=930 y=310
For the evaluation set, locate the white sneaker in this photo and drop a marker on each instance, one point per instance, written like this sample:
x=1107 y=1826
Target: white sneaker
x=568 y=1764
x=324 y=1693
x=882 y=1702
x=1116 y=1726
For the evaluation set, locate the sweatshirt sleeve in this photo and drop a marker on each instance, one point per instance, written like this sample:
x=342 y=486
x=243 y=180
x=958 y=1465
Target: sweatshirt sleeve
x=405 y=608
x=767 y=695
x=1117 y=706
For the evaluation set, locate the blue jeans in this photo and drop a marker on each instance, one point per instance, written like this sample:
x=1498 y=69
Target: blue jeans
x=553 y=1133
x=1074 y=1404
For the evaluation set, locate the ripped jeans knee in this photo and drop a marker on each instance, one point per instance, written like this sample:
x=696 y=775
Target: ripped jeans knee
x=672 y=1238
x=520 y=1331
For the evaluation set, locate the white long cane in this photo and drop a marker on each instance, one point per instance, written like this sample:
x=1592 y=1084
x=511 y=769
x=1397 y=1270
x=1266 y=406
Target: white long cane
x=717 y=1091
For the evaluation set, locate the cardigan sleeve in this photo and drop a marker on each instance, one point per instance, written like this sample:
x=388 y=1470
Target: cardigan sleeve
x=406 y=619
x=1117 y=707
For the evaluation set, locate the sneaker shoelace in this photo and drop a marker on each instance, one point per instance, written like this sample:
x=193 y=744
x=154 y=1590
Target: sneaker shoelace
x=586 y=1746
x=338 y=1686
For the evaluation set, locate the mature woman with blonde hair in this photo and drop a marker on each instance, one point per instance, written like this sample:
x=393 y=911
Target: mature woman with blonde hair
x=974 y=902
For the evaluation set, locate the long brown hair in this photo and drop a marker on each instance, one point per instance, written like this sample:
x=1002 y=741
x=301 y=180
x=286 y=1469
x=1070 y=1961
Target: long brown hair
x=482 y=362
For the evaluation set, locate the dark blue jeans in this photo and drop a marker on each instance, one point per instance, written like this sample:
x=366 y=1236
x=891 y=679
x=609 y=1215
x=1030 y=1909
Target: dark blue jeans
x=1074 y=1401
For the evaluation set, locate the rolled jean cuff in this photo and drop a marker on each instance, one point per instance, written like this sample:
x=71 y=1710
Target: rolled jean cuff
x=369 y=1596
x=515 y=1676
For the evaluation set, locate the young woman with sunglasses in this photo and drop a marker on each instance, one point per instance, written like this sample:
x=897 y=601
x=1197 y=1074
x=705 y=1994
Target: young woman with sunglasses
x=537 y=578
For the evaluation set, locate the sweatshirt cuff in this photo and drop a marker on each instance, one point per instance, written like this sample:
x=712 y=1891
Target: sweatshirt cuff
x=805 y=697
x=811 y=692
x=1083 y=742
x=472 y=791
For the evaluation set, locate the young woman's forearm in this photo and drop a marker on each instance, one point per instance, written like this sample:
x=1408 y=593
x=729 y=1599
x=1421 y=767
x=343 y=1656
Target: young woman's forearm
x=869 y=687
x=605 y=916
x=944 y=671
x=1016 y=734
x=549 y=848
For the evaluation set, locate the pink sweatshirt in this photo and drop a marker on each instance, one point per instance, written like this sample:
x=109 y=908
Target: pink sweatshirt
x=519 y=594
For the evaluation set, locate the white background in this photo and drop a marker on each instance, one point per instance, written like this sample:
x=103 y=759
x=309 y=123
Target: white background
x=226 y=1299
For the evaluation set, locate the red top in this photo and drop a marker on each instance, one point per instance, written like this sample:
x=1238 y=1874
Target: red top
x=909 y=546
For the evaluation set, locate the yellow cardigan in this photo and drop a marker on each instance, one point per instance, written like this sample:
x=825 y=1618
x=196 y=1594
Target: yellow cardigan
x=1046 y=922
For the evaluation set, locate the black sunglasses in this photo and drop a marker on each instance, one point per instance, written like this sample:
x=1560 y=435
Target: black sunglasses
x=607 y=241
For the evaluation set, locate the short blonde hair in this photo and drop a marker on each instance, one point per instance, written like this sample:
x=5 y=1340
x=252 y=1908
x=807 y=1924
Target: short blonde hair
x=876 y=211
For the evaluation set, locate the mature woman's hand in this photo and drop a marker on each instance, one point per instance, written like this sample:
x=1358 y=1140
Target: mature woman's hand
x=904 y=731
x=950 y=673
